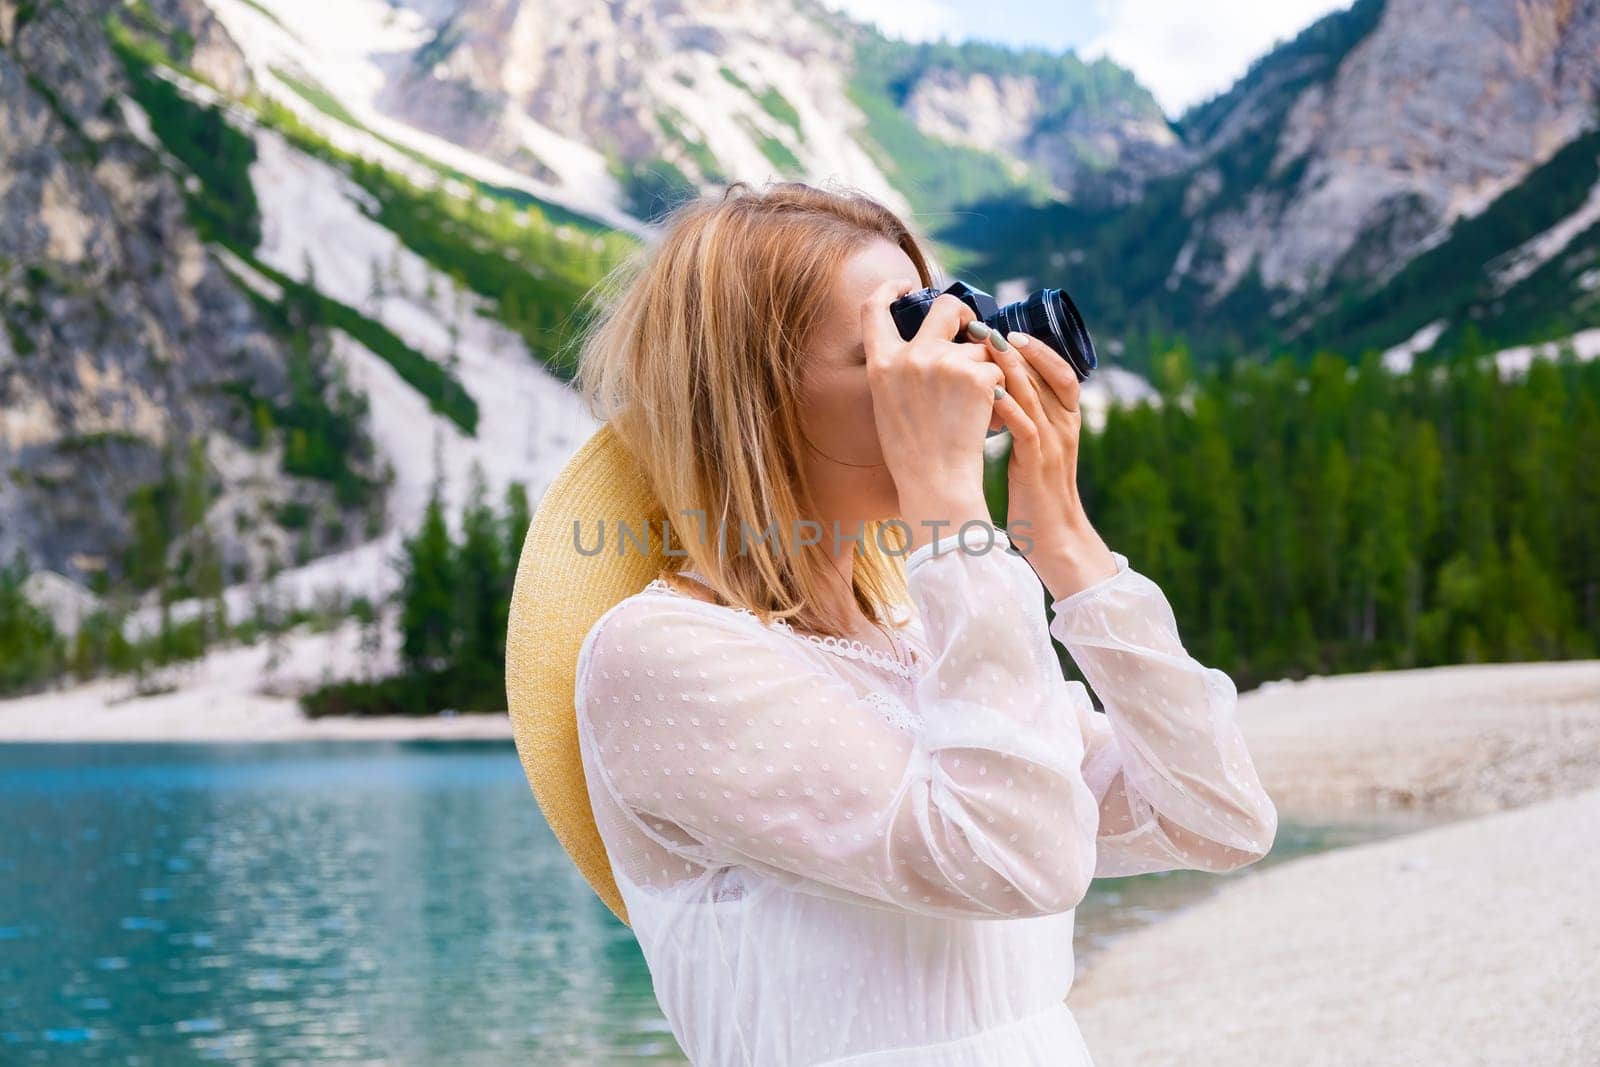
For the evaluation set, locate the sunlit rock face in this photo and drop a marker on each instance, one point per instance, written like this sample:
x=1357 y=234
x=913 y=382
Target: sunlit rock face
x=124 y=342
x=723 y=89
x=1434 y=110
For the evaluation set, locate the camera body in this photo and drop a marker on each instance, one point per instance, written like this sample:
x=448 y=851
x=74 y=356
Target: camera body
x=1048 y=314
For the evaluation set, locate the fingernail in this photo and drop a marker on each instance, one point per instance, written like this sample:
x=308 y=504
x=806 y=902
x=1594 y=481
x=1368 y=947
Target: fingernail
x=998 y=341
x=978 y=330
x=1019 y=338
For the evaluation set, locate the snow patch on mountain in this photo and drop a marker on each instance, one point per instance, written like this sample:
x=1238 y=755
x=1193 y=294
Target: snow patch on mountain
x=529 y=420
x=1534 y=253
x=345 y=48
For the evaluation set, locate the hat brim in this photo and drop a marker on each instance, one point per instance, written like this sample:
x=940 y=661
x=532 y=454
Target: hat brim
x=558 y=595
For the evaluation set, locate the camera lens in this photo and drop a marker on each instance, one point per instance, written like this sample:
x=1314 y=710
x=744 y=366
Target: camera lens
x=1048 y=314
x=1051 y=316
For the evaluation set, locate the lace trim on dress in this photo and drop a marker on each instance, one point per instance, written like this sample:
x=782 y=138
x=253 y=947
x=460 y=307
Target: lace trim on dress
x=896 y=712
x=848 y=647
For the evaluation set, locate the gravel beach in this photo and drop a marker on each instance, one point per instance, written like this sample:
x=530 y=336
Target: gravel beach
x=1474 y=942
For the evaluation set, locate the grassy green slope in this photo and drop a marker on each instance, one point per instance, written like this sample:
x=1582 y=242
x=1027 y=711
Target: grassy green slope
x=939 y=177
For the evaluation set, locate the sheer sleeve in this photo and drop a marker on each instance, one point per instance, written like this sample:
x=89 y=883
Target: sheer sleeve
x=1166 y=760
x=733 y=733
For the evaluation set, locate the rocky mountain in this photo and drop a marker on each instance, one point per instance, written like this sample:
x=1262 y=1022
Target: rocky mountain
x=632 y=104
x=1275 y=214
x=665 y=92
x=1260 y=218
x=1380 y=135
x=272 y=271
x=1064 y=130
x=141 y=392
x=238 y=358
x=1428 y=117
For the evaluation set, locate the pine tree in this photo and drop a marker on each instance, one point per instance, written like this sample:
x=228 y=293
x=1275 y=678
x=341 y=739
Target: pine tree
x=518 y=516
x=483 y=598
x=30 y=649
x=427 y=598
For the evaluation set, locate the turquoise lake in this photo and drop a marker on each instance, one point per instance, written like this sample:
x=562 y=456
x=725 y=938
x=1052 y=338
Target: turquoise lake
x=342 y=902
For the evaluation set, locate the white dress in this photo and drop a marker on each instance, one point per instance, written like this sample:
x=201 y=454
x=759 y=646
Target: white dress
x=829 y=857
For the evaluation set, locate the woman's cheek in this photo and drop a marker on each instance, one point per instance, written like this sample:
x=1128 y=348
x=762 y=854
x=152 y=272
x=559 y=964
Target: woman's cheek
x=866 y=425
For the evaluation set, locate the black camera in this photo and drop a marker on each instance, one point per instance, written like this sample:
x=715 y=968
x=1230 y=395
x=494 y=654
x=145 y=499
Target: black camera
x=1048 y=314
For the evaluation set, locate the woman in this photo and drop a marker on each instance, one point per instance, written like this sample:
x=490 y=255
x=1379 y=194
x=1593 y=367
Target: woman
x=849 y=797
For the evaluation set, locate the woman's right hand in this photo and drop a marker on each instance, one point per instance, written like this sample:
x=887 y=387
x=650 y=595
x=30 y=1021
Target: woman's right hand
x=932 y=400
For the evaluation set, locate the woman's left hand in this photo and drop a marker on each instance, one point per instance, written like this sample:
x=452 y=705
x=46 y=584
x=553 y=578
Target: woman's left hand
x=1040 y=409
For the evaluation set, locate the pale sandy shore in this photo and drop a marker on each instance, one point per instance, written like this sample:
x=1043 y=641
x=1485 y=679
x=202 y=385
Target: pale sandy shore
x=1467 y=739
x=239 y=694
x=1473 y=942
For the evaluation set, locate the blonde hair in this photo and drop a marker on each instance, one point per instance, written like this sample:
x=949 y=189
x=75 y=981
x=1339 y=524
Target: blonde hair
x=696 y=356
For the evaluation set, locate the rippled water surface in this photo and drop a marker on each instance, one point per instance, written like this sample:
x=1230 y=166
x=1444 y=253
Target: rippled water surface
x=336 y=902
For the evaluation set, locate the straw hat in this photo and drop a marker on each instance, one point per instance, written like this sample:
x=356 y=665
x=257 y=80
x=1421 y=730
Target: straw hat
x=557 y=597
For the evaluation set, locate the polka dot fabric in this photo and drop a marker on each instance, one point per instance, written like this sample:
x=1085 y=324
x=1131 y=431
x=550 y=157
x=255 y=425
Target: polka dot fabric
x=827 y=861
